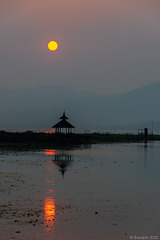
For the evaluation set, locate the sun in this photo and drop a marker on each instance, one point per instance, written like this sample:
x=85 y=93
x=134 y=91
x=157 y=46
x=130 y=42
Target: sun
x=52 y=46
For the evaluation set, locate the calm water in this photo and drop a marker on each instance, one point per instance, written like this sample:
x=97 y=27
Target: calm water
x=109 y=191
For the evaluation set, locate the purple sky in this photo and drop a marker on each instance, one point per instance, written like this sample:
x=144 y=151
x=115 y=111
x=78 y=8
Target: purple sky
x=105 y=46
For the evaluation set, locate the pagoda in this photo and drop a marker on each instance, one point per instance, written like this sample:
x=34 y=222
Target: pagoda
x=63 y=126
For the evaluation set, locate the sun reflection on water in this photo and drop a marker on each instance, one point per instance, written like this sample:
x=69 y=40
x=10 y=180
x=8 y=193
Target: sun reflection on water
x=55 y=158
x=49 y=215
x=50 y=152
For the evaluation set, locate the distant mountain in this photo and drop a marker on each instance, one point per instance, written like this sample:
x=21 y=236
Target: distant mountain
x=40 y=107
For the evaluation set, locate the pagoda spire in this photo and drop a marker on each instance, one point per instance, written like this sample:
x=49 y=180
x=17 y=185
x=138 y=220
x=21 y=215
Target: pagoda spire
x=63 y=116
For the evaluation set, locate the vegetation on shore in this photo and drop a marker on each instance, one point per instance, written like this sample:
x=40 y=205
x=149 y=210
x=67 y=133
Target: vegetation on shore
x=43 y=139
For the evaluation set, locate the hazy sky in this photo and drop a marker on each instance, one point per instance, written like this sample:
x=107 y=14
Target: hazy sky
x=105 y=46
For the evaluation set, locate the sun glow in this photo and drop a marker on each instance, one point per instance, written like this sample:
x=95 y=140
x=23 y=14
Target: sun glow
x=49 y=131
x=52 y=46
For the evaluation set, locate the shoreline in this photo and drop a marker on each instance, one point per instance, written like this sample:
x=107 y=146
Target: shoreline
x=33 y=140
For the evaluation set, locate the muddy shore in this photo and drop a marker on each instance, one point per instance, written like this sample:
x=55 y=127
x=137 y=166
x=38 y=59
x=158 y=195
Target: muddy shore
x=97 y=193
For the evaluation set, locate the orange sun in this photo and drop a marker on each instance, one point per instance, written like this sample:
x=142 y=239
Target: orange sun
x=52 y=46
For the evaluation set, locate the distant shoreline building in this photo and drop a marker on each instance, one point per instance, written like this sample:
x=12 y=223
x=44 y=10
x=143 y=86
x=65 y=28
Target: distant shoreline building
x=63 y=126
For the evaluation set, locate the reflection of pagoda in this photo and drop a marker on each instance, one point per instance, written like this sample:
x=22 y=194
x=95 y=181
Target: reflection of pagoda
x=63 y=161
x=63 y=124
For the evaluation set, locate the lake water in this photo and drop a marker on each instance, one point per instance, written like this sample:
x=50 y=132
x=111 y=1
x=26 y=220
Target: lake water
x=107 y=191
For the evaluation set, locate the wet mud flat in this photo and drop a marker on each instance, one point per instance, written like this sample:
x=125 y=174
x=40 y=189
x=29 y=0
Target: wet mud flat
x=23 y=213
x=78 y=194
x=19 y=213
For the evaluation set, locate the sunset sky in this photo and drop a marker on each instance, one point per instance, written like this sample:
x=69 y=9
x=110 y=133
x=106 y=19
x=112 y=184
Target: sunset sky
x=105 y=46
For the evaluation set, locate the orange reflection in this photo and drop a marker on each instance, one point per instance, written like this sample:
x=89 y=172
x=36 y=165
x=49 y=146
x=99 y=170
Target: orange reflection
x=49 y=214
x=50 y=152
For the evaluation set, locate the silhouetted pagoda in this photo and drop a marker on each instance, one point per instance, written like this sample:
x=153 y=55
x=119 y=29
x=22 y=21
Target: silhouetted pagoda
x=63 y=125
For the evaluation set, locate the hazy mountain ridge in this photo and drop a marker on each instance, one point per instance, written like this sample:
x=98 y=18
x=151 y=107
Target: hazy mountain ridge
x=40 y=107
